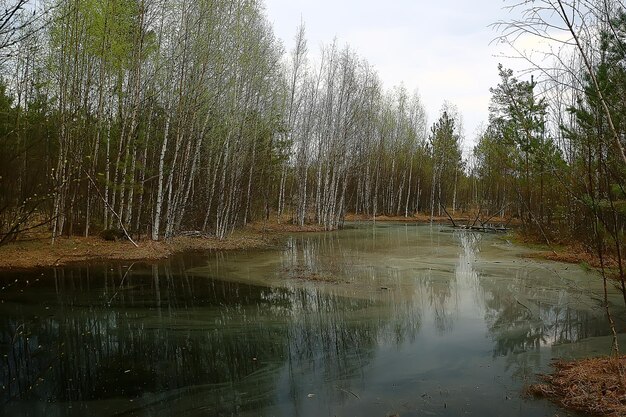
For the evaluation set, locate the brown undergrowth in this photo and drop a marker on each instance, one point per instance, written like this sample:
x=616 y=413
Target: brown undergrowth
x=35 y=250
x=594 y=386
x=557 y=250
x=416 y=218
x=562 y=251
x=37 y=253
x=285 y=226
x=462 y=218
x=574 y=254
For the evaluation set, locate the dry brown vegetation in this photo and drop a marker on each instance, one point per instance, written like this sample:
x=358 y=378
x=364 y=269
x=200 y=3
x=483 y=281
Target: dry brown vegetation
x=565 y=251
x=573 y=254
x=36 y=253
x=34 y=250
x=560 y=249
x=593 y=386
x=418 y=218
x=459 y=219
x=285 y=226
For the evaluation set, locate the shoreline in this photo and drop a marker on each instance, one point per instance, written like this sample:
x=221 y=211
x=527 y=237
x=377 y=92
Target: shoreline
x=423 y=218
x=565 y=252
x=28 y=255
x=39 y=253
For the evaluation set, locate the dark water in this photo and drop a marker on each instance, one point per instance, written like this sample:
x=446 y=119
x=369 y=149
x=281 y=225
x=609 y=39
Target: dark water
x=370 y=321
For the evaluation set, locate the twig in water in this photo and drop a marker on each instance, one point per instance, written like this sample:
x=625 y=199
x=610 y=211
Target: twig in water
x=121 y=282
x=524 y=305
x=349 y=392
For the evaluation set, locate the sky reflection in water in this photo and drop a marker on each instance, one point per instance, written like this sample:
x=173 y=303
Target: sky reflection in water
x=369 y=321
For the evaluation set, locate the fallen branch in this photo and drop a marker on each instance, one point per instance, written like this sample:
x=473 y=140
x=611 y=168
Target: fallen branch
x=448 y=214
x=121 y=282
x=108 y=206
x=349 y=392
x=477 y=216
x=496 y=214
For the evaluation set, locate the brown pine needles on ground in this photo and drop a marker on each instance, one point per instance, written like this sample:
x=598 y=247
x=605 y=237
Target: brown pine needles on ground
x=594 y=385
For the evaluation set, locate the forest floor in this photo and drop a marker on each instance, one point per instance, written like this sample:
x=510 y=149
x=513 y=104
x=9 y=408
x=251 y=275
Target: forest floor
x=459 y=219
x=565 y=251
x=573 y=254
x=593 y=386
x=38 y=253
x=35 y=251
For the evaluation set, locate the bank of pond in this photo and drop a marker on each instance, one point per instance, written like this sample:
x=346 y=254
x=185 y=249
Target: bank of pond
x=374 y=320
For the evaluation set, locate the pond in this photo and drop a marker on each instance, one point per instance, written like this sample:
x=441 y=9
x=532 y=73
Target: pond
x=375 y=320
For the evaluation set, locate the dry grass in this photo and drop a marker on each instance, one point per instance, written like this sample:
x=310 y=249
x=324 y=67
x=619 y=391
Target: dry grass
x=37 y=251
x=40 y=253
x=593 y=386
x=285 y=226
x=459 y=218
x=417 y=218
x=574 y=254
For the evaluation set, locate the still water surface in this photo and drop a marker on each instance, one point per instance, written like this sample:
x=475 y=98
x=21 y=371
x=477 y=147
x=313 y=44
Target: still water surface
x=377 y=320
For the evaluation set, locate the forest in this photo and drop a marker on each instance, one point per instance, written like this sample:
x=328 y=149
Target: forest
x=162 y=116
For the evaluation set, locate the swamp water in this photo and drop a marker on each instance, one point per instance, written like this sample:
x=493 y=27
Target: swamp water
x=374 y=320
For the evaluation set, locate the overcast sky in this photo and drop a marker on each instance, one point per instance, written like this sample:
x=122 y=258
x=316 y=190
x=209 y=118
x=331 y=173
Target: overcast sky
x=442 y=47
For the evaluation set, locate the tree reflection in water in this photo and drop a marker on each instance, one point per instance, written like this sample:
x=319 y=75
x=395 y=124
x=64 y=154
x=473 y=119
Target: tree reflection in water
x=234 y=333
x=92 y=338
